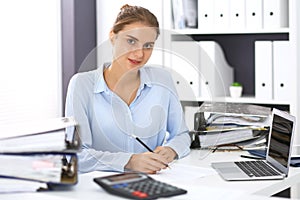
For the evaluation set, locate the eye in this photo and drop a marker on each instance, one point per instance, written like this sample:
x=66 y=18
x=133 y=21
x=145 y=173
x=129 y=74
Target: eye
x=131 y=41
x=148 y=46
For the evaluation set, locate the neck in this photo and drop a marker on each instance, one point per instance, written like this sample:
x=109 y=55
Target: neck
x=116 y=77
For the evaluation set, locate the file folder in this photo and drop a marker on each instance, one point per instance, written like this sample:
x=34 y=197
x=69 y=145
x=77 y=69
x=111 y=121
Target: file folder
x=205 y=15
x=216 y=73
x=254 y=16
x=46 y=168
x=264 y=70
x=186 y=68
x=284 y=66
x=41 y=136
x=275 y=13
x=190 y=11
x=237 y=14
x=221 y=14
x=178 y=15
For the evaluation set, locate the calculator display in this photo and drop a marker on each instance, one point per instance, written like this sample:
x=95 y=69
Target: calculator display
x=123 y=177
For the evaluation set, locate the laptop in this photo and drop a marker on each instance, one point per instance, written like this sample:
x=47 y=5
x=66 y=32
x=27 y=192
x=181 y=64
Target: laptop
x=278 y=156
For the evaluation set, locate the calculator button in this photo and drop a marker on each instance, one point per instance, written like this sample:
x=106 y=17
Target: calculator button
x=139 y=194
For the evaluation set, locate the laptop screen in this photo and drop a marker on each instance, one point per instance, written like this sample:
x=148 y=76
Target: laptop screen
x=280 y=139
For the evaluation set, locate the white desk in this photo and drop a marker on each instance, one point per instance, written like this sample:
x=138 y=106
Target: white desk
x=208 y=187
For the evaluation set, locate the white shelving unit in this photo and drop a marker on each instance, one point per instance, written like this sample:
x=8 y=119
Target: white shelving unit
x=291 y=34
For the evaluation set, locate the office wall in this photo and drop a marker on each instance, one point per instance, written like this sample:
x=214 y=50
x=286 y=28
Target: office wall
x=78 y=39
x=30 y=83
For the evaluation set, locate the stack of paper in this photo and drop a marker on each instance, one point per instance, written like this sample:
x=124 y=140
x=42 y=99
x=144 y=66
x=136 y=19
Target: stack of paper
x=231 y=123
x=39 y=153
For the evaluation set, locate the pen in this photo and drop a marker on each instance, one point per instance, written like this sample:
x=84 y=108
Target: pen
x=251 y=157
x=142 y=143
x=148 y=148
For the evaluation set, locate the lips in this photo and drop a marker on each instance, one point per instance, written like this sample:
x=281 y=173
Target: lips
x=135 y=62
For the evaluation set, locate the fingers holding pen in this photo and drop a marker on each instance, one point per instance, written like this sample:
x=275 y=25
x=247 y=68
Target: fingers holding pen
x=167 y=152
x=147 y=162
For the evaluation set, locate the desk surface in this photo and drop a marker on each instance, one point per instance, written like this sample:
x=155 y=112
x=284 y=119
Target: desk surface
x=210 y=186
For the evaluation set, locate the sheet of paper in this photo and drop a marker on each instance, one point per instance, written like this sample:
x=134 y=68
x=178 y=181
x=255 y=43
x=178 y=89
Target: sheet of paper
x=202 y=192
x=8 y=185
x=32 y=195
x=182 y=173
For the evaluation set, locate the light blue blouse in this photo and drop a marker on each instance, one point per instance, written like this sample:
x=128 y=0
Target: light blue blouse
x=107 y=124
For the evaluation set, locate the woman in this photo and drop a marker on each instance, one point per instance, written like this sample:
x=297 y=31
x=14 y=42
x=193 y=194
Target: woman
x=124 y=100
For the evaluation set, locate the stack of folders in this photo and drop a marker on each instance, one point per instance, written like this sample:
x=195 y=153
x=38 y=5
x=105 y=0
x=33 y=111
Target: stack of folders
x=39 y=155
x=222 y=124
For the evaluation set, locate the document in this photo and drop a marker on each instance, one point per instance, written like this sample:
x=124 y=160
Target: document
x=182 y=173
x=40 y=136
x=9 y=185
x=47 y=168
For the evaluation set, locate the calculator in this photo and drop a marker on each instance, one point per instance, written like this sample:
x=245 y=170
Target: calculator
x=137 y=186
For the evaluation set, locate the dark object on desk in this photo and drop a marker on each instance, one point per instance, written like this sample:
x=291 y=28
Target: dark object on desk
x=259 y=153
x=252 y=157
x=137 y=186
x=199 y=121
x=295 y=162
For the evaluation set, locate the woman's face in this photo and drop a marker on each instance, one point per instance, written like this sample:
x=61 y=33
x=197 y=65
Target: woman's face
x=133 y=46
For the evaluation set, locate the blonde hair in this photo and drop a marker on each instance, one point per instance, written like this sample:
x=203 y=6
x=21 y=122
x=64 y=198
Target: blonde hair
x=131 y=14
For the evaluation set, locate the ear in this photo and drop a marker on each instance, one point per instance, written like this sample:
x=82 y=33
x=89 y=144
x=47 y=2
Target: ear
x=112 y=37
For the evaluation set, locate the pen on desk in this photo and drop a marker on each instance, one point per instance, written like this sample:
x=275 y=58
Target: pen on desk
x=148 y=148
x=252 y=157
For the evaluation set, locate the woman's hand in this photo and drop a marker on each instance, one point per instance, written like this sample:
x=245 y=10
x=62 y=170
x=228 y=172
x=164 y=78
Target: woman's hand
x=167 y=152
x=147 y=162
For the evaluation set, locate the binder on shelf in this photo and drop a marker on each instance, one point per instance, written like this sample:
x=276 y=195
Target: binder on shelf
x=284 y=66
x=185 y=68
x=254 y=14
x=46 y=168
x=221 y=14
x=190 y=11
x=205 y=15
x=41 y=136
x=178 y=14
x=264 y=70
x=275 y=13
x=216 y=73
x=237 y=14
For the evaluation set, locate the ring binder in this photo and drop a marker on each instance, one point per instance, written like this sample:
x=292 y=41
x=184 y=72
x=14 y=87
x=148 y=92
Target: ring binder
x=59 y=135
x=47 y=168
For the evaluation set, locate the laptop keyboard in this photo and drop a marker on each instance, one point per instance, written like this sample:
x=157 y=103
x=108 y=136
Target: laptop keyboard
x=256 y=168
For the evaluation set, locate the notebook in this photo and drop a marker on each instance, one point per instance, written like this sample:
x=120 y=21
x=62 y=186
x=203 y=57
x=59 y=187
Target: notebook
x=278 y=155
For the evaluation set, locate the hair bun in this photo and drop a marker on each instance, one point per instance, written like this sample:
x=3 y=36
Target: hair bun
x=125 y=6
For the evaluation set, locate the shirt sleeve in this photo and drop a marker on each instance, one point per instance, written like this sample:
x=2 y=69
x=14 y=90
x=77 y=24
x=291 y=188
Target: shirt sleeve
x=179 y=138
x=77 y=103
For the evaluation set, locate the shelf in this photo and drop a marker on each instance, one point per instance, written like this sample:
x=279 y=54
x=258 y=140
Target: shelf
x=192 y=31
x=239 y=49
x=282 y=105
